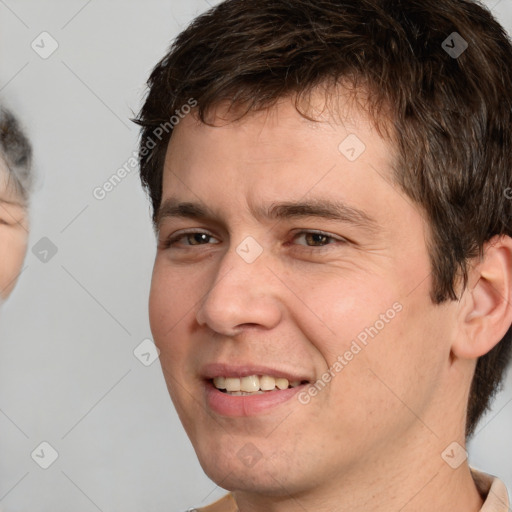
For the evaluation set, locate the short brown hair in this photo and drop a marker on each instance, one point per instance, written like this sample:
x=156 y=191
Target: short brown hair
x=449 y=112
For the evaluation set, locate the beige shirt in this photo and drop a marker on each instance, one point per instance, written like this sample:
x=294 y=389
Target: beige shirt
x=492 y=489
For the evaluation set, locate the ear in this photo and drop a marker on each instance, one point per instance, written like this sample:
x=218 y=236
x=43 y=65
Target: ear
x=485 y=313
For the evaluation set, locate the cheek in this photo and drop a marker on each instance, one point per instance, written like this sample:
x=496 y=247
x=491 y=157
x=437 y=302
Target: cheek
x=399 y=360
x=372 y=342
x=338 y=308
x=171 y=316
x=13 y=245
x=171 y=302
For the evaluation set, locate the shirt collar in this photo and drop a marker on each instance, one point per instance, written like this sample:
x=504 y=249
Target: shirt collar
x=493 y=491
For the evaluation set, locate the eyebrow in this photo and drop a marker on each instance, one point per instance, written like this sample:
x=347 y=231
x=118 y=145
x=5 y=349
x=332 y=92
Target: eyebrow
x=320 y=208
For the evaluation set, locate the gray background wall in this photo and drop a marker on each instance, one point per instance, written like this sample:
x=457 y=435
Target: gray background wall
x=68 y=375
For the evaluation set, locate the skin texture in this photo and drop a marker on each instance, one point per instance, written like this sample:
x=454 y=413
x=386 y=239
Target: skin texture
x=13 y=234
x=372 y=438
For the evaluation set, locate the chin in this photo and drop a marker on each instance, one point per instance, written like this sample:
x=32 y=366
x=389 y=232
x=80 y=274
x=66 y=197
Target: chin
x=243 y=469
x=257 y=480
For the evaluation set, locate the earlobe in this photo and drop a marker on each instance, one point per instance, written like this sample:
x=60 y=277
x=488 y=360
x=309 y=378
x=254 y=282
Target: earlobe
x=486 y=312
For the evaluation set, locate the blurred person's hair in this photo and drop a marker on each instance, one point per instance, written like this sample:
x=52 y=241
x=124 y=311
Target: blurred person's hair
x=16 y=154
x=448 y=119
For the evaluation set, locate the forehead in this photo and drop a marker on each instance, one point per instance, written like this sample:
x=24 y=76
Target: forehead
x=325 y=104
x=277 y=163
x=316 y=134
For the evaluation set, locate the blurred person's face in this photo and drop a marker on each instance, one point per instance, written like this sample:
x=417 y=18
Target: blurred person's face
x=220 y=310
x=13 y=233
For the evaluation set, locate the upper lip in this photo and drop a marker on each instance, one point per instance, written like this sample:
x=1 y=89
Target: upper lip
x=213 y=370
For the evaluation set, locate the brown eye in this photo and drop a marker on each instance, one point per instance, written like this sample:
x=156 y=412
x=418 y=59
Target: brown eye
x=317 y=239
x=197 y=238
x=189 y=239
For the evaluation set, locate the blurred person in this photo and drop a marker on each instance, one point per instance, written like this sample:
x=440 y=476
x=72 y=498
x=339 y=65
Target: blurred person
x=332 y=290
x=15 y=181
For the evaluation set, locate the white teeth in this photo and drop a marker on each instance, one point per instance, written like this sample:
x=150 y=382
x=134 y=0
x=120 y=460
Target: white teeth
x=267 y=383
x=252 y=384
x=219 y=382
x=282 y=383
x=232 y=384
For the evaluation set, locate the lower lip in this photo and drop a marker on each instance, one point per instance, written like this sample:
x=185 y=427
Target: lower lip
x=248 y=405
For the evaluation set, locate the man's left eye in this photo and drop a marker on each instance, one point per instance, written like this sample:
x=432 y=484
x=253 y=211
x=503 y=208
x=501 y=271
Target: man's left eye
x=317 y=238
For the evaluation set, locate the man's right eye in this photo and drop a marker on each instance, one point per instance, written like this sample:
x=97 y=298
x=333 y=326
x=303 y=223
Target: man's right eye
x=190 y=238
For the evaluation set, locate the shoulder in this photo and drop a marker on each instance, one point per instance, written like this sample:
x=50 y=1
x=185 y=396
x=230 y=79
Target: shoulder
x=225 y=504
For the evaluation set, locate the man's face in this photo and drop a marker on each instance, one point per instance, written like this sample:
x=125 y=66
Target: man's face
x=13 y=234
x=252 y=288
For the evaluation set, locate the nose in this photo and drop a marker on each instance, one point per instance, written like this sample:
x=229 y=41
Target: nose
x=241 y=294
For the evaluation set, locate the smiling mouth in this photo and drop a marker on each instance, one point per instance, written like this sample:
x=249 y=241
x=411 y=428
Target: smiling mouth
x=253 y=384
